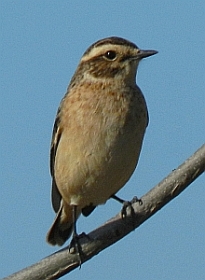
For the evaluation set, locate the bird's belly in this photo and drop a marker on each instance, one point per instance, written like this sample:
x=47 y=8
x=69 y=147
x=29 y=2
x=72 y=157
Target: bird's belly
x=112 y=175
x=91 y=173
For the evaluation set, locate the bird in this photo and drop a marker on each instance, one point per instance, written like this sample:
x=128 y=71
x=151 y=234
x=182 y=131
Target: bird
x=98 y=133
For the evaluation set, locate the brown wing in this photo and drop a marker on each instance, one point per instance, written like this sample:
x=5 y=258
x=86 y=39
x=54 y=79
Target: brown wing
x=55 y=194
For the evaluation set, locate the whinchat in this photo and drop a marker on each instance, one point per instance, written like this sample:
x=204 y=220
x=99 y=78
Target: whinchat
x=97 y=134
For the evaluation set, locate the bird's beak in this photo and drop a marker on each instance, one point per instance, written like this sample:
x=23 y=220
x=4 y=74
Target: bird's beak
x=145 y=53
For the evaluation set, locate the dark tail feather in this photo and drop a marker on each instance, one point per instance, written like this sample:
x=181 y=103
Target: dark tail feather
x=60 y=231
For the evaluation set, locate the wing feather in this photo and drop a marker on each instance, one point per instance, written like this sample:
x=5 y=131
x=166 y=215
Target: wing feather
x=55 y=194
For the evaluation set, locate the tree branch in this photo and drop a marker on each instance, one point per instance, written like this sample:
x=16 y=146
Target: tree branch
x=62 y=262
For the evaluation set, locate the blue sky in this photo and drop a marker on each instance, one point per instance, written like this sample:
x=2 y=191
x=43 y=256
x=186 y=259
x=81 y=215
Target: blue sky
x=41 y=45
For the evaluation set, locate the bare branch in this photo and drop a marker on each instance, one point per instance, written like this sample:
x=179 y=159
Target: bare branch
x=62 y=262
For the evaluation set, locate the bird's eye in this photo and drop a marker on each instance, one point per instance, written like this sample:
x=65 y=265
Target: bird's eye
x=110 y=55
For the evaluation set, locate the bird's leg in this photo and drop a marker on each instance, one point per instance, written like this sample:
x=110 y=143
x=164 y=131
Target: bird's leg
x=117 y=198
x=127 y=204
x=75 y=240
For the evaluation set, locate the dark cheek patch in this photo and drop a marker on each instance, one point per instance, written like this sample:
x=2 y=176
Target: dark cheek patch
x=104 y=70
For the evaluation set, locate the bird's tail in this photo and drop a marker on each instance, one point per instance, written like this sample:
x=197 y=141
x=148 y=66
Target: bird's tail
x=62 y=226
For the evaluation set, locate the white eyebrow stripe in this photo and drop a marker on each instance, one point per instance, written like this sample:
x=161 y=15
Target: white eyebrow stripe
x=99 y=50
x=96 y=51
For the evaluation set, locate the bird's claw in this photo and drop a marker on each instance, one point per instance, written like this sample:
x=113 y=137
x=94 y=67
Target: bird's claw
x=75 y=248
x=127 y=204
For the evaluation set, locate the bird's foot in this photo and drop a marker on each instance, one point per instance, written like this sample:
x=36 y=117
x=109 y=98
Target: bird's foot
x=75 y=246
x=128 y=204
